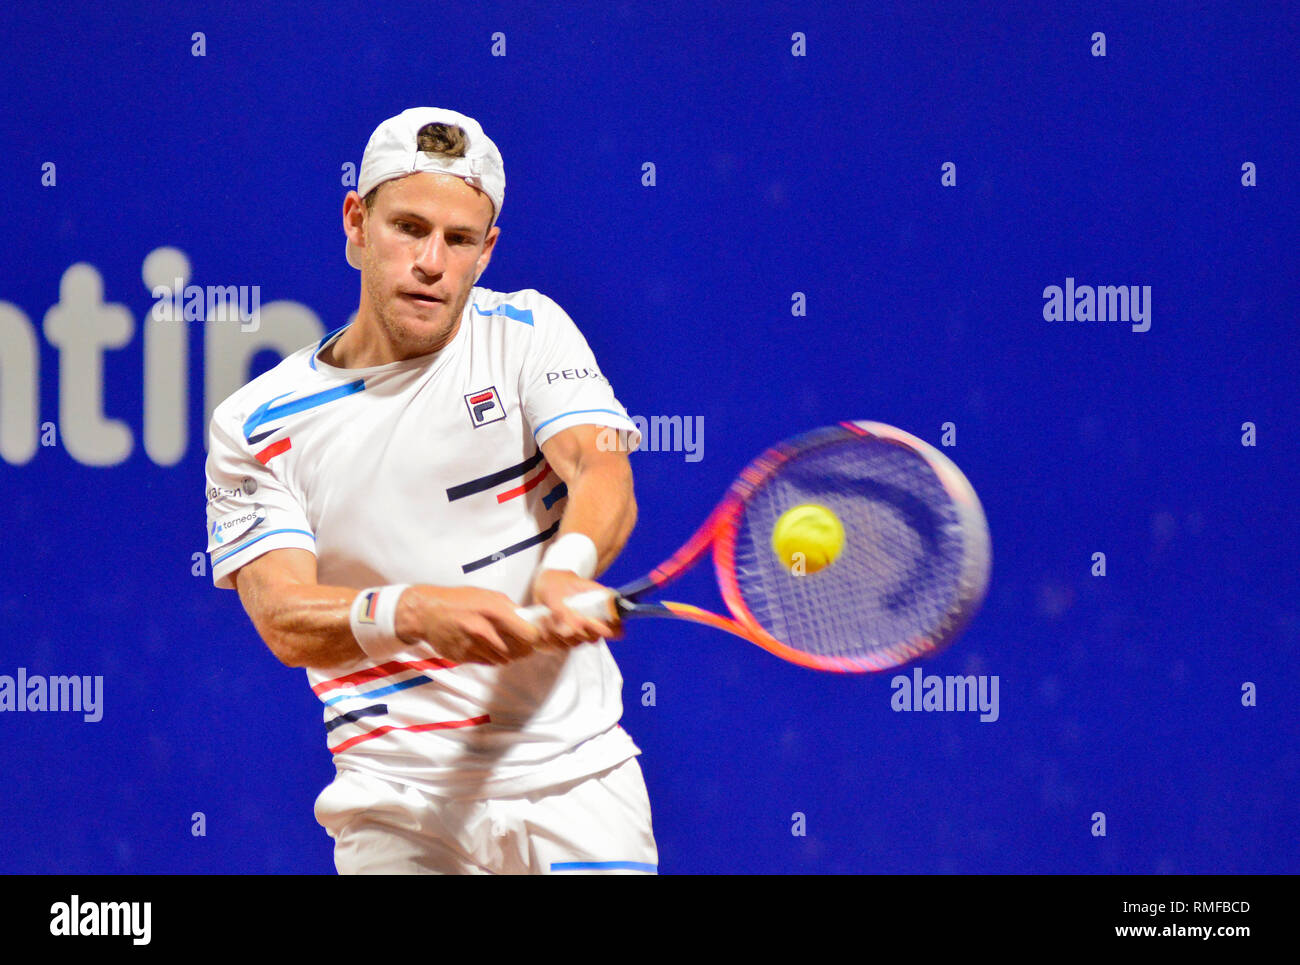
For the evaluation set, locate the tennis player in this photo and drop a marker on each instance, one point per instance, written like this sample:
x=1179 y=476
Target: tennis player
x=383 y=501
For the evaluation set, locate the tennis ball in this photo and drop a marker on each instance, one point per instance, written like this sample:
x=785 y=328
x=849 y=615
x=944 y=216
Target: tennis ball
x=813 y=532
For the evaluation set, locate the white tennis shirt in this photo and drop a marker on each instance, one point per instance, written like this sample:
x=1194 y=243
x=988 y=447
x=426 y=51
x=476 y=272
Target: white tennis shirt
x=429 y=471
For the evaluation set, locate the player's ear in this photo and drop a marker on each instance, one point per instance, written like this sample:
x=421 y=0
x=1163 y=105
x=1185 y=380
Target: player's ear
x=486 y=256
x=354 y=216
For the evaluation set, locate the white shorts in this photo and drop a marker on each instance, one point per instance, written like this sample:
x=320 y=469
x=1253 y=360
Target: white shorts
x=598 y=824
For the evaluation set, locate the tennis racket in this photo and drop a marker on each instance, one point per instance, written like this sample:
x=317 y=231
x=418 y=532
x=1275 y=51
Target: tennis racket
x=912 y=569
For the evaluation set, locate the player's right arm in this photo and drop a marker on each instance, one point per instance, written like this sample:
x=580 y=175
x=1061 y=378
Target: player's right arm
x=306 y=624
x=261 y=543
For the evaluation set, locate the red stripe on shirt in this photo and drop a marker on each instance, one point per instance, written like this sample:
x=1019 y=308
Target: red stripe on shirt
x=520 y=490
x=273 y=450
x=381 y=671
x=414 y=728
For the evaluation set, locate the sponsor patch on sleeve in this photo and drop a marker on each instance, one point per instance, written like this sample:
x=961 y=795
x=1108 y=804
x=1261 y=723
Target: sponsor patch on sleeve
x=229 y=528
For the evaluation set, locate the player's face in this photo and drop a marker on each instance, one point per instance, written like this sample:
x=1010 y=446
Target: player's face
x=426 y=241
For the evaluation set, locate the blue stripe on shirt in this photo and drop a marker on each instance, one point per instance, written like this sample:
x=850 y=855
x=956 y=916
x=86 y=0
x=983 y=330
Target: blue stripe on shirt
x=610 y=865
x=240 y=549
x=578 y=412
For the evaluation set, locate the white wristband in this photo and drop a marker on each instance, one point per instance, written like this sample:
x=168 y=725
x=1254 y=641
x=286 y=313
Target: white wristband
x=572 y=551
x=373 y=617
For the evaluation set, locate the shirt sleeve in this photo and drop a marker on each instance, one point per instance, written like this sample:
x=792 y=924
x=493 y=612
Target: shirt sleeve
x=250 y=511
x=562 y=386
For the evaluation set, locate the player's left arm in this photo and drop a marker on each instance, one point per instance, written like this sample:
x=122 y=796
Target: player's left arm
x=601 y=506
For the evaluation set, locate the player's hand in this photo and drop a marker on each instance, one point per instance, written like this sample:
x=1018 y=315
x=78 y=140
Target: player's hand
x=466 y=624
x=562 y=626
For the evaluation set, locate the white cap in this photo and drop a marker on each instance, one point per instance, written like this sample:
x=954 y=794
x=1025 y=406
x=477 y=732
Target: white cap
x=393 y=152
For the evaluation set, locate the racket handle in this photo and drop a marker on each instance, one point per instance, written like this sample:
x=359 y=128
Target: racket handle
x=597 y=604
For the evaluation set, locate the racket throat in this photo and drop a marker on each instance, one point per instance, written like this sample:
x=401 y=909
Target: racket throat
x=629 y=609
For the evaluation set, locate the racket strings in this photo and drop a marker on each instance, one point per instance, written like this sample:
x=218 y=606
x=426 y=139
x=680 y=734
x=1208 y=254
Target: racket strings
x=895 y=584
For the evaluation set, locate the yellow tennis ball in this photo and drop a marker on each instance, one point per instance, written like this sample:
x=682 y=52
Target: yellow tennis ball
x=808 y=537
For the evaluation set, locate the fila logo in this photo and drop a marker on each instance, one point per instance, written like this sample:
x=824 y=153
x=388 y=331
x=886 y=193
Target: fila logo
x=485 y=407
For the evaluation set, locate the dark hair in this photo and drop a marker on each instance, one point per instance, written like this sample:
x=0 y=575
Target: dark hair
x=449 y=140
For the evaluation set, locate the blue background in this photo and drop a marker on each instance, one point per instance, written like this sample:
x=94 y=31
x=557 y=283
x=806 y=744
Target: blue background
x=776 y=174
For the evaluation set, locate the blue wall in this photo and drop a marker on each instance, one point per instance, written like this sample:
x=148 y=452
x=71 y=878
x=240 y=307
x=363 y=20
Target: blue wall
x=775 y=174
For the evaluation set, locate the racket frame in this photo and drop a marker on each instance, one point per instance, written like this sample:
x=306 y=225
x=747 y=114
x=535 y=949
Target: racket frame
x=719 y=533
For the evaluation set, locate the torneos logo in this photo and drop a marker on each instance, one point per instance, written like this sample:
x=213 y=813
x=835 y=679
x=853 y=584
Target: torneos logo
x=236 y=524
